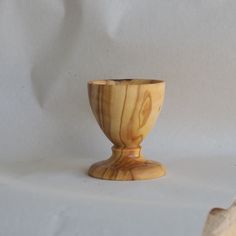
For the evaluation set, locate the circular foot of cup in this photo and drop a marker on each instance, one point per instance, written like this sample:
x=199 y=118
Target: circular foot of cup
x=127 y=169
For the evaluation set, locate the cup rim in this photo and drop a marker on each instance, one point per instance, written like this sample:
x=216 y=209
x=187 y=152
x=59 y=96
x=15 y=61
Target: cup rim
x=118 y=82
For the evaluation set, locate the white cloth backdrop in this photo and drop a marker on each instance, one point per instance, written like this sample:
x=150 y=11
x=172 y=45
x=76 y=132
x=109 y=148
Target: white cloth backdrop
x=48 y=136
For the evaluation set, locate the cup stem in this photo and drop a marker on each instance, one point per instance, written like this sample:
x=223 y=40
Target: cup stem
x=126 y=163
x=119 y=153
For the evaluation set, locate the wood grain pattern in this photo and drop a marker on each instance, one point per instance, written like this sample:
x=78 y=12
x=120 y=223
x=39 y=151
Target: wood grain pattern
x=126 y=111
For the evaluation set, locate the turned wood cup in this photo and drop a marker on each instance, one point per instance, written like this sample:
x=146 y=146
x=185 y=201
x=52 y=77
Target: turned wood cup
x=126 y=110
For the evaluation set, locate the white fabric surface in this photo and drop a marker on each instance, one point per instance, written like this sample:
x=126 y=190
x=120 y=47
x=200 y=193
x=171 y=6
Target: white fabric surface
x=48 y=136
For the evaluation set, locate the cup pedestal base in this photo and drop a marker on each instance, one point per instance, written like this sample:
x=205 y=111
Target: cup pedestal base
x=126 y=164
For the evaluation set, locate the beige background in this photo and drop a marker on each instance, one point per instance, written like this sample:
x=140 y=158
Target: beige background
x=48 y=52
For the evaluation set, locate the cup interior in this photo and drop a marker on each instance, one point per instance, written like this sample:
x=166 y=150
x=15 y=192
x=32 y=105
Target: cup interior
x=125 y=82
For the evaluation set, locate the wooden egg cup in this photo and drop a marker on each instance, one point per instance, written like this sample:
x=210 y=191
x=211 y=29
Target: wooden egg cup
x=126 y=111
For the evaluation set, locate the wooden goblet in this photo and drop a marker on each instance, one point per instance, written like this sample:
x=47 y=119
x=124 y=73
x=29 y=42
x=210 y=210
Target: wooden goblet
x=126 y=111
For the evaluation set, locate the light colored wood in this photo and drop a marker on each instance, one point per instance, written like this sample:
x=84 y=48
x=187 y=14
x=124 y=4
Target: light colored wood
x=221 y=222
x=126 y=110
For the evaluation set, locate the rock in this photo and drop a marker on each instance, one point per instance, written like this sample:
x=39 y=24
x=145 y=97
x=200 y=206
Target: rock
x=221 y=222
